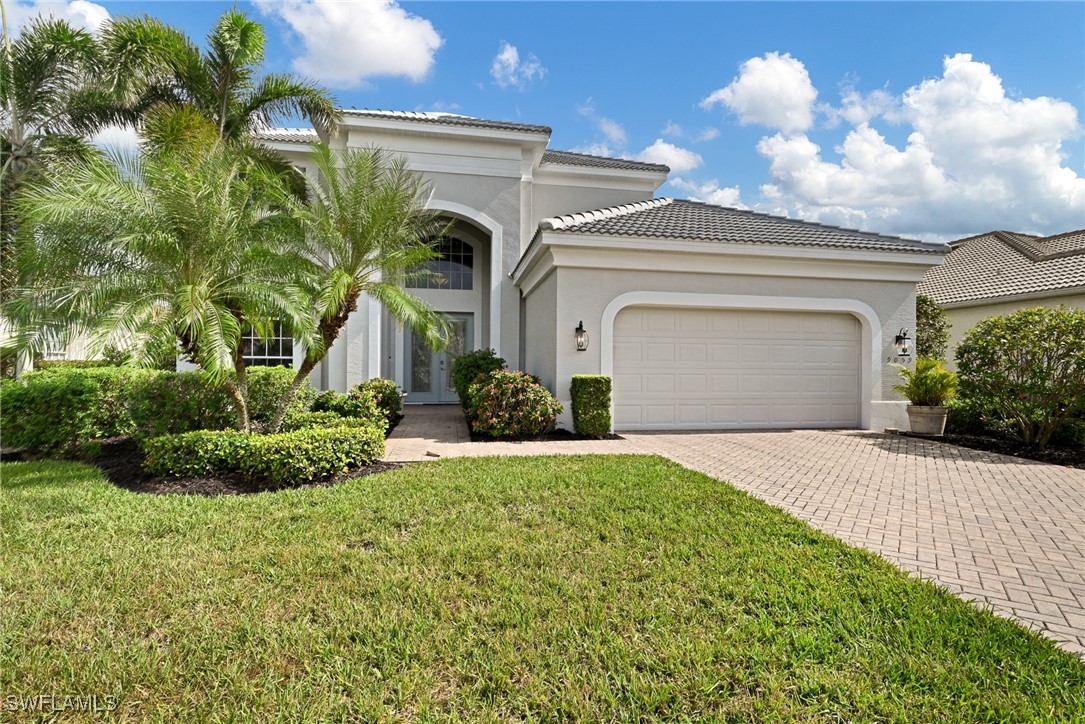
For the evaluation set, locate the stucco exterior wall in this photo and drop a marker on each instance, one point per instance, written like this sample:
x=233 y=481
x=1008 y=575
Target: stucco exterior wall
x=552 y=200
x=584 y=294
x=540 y=332
x=964 y=319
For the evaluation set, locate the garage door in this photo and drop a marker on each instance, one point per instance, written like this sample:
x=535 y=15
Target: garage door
x=678 y=368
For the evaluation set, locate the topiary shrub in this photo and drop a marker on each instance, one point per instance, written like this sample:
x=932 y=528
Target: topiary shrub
x=37 y=413
x=469 y=366
x=511 y=404
x=171 y=403
x=386 y=395
x=931 y=328
x=286 y=458
x=268 y=385
x=1028 y=369
x=591 y=404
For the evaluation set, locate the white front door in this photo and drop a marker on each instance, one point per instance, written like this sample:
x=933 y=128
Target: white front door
x=680 y=368
x=429 y=373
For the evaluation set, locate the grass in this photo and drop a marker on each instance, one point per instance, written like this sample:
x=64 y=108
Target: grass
x=593 y=588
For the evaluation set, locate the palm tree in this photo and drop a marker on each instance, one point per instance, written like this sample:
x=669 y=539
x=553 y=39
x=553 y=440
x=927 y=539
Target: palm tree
x=150 y=64
x=44 y=115
x=165 y=247
x=369 y=231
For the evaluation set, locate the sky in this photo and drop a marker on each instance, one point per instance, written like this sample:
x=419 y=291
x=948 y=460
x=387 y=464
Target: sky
x=929 y=120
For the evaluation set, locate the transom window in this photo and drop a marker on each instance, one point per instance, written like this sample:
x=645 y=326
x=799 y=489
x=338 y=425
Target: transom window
x=455 y=269
x=273 y=352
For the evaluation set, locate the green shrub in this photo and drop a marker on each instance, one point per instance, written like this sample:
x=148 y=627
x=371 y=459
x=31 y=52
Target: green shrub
x=305 y=420
x=929 y=384
x=511 y=404
x=267 y=385
x=170 y=403
x=386 y=395
x=469 y=366
x=1028 y=368
x=286 y=458
x=967 y=417
x=931 y=328
x=36 y=414
x=357 y=403
x=48 y=414
x=73 y=364
x=591 y=404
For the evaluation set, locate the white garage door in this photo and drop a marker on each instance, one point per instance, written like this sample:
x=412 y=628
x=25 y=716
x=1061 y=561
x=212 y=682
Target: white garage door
x=680 y=368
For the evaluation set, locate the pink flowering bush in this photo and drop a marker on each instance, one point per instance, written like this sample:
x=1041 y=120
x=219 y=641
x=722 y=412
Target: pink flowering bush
x=511 y=404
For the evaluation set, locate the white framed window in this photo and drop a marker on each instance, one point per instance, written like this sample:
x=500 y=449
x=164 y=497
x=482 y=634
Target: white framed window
x=455 y=269
x=278 y=350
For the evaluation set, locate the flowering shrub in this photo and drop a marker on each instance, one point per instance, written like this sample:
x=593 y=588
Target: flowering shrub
x=511 y=404
x=385 y=394
x=467 y=369
x=1027 y=369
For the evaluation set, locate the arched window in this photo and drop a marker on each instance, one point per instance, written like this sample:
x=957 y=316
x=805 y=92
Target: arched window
x=455 y=269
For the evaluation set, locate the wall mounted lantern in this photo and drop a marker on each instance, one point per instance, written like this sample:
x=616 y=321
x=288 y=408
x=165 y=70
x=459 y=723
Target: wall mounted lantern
x=581 y=337
x=902 y=343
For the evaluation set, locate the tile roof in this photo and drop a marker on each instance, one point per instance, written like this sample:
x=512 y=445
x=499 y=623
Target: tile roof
x=449 y=119
x=1006 y=264
x=571 y=158
x=683 y=219
x=288 y=135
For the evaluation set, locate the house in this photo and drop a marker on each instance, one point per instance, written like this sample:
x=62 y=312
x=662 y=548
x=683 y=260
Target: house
x=1001 y=272
x=706 y=317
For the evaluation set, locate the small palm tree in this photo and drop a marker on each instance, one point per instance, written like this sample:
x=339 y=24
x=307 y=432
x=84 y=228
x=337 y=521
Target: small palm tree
x=369 y=231
x=189 y=248
x=150 y=64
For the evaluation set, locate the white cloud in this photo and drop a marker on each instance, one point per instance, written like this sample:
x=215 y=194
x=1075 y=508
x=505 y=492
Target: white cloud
x=118 y=138
x=674 y=130
x=975 y=160
x=710 y=192
x=611 y=129
x=680 y=160
x=346 y=43
x=774 y=91
x=508 y=70
x=81 y=13
x=708 y=134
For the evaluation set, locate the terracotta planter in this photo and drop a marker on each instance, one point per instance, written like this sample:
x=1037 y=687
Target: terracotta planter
x=927 y=420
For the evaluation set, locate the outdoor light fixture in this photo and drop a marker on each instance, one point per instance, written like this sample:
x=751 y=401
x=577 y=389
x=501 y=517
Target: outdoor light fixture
x=581 y=337
x=902 y=343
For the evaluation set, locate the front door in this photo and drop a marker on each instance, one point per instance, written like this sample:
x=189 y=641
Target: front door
x=429 y=373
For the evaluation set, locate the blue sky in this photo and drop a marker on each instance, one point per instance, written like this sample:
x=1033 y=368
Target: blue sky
x=929 y=119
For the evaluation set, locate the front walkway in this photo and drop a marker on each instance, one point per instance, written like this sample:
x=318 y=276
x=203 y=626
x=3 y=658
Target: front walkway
x=988 y=527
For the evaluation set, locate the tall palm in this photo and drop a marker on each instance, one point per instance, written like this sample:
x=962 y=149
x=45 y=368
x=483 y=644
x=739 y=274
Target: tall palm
x=150 y=64
x=44 y=116
x=369 y=231
x=191 y=246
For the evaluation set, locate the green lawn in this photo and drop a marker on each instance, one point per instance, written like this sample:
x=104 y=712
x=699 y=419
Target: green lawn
x=489 y=589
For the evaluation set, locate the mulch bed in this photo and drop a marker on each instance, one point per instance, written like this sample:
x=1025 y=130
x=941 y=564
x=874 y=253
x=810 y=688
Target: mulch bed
x=560 y=435
x=1073 y=457
x=121 y=461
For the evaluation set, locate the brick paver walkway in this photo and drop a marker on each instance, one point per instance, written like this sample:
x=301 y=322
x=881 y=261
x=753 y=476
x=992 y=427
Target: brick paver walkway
x=988 y=527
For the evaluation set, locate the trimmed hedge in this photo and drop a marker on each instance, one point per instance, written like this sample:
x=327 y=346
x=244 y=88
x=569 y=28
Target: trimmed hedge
x=61 y=409
x=286 y=458
x=357 y=403
x=72 y=364
x=267 y=385
x=306 y=420
x=591 y=404
x=511 y=404
x=171 y=403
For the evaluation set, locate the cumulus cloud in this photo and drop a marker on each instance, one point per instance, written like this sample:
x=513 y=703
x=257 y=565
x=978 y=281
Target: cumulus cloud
x=81 y=13
x=680 y=160
x=345 y=44
x=710 y=192
x=974 y=159
x=611 y=129
x=508 y=70
x=774 y=90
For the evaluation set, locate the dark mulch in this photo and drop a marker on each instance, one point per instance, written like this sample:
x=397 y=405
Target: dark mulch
x=559 y=435
x=121 y=461
x=1073 y=457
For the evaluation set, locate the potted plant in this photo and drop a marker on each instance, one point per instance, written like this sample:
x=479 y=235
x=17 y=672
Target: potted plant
x=928 y=387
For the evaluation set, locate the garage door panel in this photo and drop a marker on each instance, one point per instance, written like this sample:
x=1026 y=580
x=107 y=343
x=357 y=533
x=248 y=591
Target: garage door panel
x=699 y=368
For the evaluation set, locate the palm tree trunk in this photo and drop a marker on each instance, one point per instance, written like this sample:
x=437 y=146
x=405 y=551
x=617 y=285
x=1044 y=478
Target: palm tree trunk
x=284 y=404
x=239 y=390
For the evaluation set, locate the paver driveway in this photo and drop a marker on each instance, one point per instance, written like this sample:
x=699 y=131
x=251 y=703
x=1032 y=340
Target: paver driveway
x=990 y=527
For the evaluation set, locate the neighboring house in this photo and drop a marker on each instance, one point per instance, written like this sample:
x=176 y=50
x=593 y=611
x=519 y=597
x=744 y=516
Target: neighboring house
x=706 y=317
x=1001 y=272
